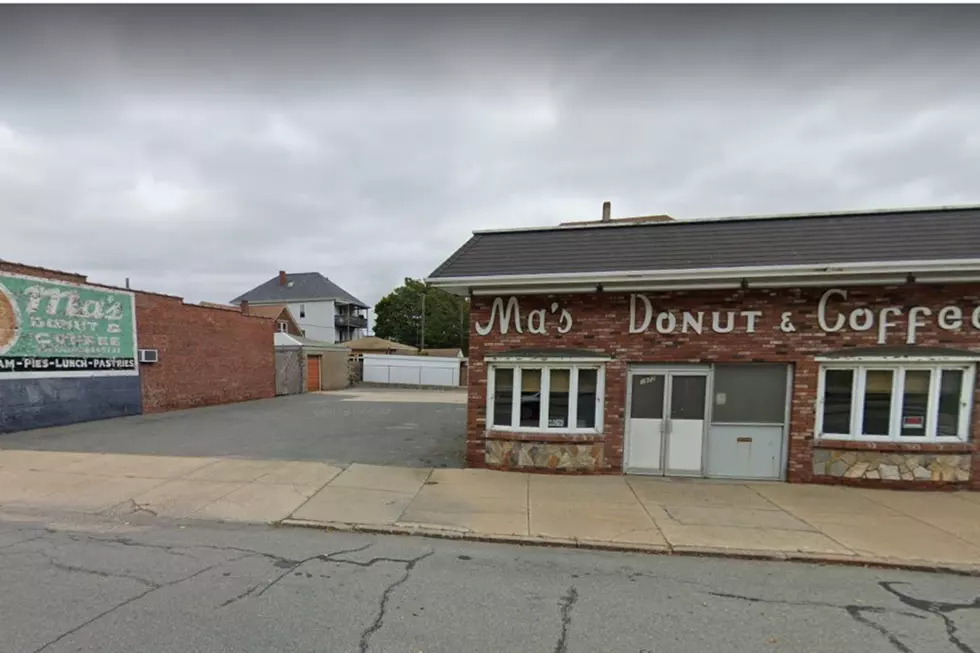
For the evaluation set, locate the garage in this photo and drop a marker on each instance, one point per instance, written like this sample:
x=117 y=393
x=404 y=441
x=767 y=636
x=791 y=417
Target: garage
x=312 y=373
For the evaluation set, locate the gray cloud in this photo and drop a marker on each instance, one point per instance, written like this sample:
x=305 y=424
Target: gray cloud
x=199 y=150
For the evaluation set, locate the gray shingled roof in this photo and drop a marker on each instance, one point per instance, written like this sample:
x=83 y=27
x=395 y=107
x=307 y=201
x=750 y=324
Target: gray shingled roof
x=305 y=286
x=904 y=235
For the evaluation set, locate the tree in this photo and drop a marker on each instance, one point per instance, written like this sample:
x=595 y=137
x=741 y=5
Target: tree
x=398 y=316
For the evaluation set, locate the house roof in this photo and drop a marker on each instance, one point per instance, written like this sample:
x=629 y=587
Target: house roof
x=267 y=310
x=380 y=344
x=290 y=340
x=447 y=352
x=226 y=307
x=670 y=246
x=300 y=286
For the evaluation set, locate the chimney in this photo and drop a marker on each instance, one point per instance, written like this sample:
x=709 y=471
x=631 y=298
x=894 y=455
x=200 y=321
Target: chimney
x=244 y=307
x=282 y=277
x=606 y=211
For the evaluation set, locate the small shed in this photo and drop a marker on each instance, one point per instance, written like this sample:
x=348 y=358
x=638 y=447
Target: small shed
x=304 y=365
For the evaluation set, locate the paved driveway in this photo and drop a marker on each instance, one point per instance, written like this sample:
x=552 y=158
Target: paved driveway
x=380 y=427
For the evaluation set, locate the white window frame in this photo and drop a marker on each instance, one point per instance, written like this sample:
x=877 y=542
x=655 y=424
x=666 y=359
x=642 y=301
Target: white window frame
x=546 y=367
x=858 y=386
x=283 y=326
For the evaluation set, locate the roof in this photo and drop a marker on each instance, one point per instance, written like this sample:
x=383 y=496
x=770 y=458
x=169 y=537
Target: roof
x=267 y=310
x=226 y=307
x=380 y=344
x=300 y=286
x=289 y=340
x=898 y=236
x=446 y=352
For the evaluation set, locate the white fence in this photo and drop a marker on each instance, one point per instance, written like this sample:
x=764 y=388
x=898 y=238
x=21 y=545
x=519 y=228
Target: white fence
x=411 y=370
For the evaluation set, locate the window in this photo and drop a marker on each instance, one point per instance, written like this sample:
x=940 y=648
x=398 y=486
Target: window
x=283 y=326
x=750 y=393
x=302 y=310
x=897 y=402
x=557 y=396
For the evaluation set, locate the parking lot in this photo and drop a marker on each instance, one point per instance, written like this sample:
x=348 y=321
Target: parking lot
x=414 y=428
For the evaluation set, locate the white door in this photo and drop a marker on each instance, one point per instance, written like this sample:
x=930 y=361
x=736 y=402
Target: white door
x=685 y=423
x=645 y=423
x=665 y=422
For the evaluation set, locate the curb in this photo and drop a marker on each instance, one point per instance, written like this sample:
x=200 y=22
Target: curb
x=656 y=549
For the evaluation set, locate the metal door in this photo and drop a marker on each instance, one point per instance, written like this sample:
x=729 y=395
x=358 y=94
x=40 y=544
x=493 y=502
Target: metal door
x=665 y=422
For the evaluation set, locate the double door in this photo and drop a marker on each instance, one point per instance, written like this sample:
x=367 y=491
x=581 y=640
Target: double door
x=666 y=420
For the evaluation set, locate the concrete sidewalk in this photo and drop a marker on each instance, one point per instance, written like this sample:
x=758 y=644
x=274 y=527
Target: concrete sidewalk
x=774 y=520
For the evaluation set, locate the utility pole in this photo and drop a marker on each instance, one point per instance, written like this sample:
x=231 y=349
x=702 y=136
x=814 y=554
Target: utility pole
x=422 y=344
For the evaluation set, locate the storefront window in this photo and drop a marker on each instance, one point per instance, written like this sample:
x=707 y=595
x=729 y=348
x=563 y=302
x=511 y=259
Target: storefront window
x=587 y=384
x=913 y=402
x=558 y=392
x=750 y=393
x=550 y=397
x=530 y=397
x=877 y=415
x=950 y=414
x=838 y=391
x=503 y=397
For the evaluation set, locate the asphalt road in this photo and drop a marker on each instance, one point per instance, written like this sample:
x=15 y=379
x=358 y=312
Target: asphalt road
x=300 y=427
x=161 y=587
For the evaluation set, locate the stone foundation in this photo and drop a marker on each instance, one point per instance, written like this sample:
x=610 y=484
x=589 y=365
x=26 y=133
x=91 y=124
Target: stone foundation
x=886 y=466
x=544 y=455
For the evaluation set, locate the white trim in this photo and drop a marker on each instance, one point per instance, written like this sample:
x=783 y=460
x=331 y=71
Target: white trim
x=527 y=361
x=554 y=290
x=898 y=370
x=823 y=270
x=897 y=360
x=620 y=222
x=545 y=367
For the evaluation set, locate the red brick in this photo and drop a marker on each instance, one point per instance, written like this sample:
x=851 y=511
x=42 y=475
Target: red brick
x=601 y=324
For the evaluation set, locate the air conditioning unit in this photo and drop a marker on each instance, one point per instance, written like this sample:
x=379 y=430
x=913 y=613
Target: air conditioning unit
x=149 y=355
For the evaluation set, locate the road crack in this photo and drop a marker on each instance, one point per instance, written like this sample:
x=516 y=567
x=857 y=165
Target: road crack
x=854 y=611
x=565 y=605
x=938 y=608
x=289 y=566
x=386 y=596
x=129 y=601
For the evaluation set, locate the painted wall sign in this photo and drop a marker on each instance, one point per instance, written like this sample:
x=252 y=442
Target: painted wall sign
x=538 y=321
x=829 y=319
x=52 y=328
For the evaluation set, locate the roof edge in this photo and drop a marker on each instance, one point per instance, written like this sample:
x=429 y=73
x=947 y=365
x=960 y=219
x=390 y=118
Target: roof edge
x=612 y=224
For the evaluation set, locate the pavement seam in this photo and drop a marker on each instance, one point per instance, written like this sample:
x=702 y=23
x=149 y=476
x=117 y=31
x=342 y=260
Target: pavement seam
x=414 y=496
x=310 y=498
x=647 y=512
x=528 y=480
x=917 y=519
x=817 y=530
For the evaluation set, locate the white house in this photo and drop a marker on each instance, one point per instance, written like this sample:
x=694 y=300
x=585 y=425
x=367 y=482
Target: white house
x=325 y=311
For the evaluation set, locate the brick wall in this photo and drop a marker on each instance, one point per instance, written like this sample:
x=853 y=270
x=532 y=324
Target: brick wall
x=601 y=324
x=207 y=355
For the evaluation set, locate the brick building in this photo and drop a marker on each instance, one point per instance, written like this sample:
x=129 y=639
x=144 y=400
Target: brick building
x=69 y=351
x=834 y=348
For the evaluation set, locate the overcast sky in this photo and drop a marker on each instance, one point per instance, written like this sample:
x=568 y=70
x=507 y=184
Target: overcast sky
x=198 y=150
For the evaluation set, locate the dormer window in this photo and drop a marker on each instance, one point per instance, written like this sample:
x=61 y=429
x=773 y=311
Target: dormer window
x=283 y=326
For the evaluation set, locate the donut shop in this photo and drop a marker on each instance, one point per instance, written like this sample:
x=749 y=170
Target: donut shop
x=808 y=348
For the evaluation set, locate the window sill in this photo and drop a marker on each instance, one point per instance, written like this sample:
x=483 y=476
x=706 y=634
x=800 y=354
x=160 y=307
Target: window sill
x=526 y=436
x=888 y=445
